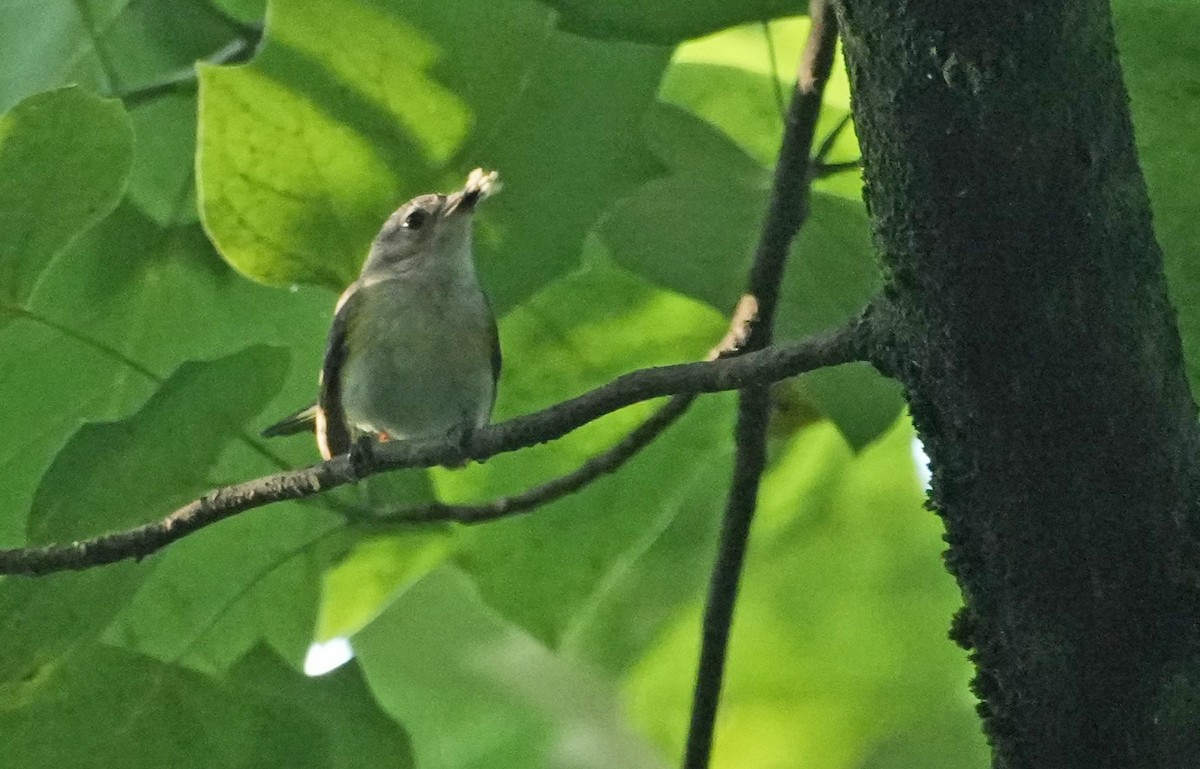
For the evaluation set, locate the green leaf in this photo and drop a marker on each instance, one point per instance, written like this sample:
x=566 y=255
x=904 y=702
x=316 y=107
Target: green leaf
x=1158 y=54
x=740 y=80
x=112 y=317
x=373 y=574
x=839 y=650
x=47 y=45
x=104 y=708
x=691 y=147
x=474 y=691
x=665 y=21
x=697 y=236
x=341 y=117
x=243 y=10
x=109 y=46
x=162 y=182
x=666 y=574
x=64 y=159
x=587 y=328
x=114 y=475
x=124 y=49
x=261 y=584
x=359 y=734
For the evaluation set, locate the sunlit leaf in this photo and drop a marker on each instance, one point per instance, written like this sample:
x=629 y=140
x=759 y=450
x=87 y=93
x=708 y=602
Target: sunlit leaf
x=343 y=116
x=839 y=648
x=475 y=691
x=545 y=571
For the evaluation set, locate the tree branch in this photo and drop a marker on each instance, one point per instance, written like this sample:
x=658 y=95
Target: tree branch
x=607 y=462
x=786 y=212
x=557 y=488
x=851 y=342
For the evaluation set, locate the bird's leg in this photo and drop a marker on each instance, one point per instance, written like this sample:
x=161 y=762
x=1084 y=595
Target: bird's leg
x=362 y=454
x=460 y=437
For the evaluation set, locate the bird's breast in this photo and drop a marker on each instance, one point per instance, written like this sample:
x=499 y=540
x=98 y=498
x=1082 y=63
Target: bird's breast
x=420 y=362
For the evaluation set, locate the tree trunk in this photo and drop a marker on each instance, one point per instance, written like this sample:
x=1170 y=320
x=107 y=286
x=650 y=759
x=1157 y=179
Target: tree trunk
x=1031 y=328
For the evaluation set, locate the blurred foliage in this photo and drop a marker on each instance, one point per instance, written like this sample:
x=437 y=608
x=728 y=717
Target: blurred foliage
x=168 y=270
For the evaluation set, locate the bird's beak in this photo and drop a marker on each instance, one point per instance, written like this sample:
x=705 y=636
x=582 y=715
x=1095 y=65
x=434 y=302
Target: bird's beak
x=480 y=186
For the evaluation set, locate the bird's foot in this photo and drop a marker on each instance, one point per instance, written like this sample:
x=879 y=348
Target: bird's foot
x=459 y=437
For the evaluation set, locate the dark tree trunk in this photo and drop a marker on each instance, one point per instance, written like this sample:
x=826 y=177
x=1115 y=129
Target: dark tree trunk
x=1031 y=328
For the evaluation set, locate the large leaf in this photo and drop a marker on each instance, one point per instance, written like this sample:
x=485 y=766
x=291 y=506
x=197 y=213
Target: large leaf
x=359 y=734
x=839 y=649
x=64 y=159
x=343 y=116
x=1159 y=56
x=252 y=580
x=718 y=131
x=111 y=318
x=111 y=46
x=697 y=234
x=740 y=80
x=162 y=182
x=373 y=574
x=106 y=709
x=545 y=570
x=113 y=475
x=125 y=49
x=665 y=575
x=475 y=691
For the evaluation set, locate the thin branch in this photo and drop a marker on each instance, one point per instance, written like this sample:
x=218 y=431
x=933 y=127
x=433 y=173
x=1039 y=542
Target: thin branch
x=608 y=462
x=773 y=61
x=826 y=147
x=602 y=464
x=851 y=342
x=786 y=212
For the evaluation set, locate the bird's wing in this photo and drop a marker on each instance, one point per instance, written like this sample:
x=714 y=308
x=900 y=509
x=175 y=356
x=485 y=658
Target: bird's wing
x=333 y=433
x=300 y=421
x=497 y=357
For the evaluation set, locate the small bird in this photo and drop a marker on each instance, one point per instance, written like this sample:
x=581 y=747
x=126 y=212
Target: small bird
x=413 y=351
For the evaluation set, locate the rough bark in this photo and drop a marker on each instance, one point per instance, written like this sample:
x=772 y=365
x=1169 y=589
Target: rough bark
x=1032 y=331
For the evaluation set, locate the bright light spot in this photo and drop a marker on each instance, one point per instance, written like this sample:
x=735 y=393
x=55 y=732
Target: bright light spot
x=325 y=657
x=921 y=463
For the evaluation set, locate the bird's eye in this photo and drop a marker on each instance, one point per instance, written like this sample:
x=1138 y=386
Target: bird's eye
x=416 y=218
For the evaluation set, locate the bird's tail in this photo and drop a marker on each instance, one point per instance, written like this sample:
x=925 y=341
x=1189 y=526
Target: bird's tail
x=303 y=420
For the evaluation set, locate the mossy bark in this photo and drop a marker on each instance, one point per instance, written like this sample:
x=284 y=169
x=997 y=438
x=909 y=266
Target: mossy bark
x=1030 y=325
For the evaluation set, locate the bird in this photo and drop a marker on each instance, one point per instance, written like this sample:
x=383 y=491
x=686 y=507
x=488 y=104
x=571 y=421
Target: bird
x=413 y=350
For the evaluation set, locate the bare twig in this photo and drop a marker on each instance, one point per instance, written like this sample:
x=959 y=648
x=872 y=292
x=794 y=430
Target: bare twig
x=786 y=213
x=601 y=464
x=821 y=156
x=850 y=342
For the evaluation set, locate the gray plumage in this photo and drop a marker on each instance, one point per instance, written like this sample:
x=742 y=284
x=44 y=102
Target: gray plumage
x=413 y=350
